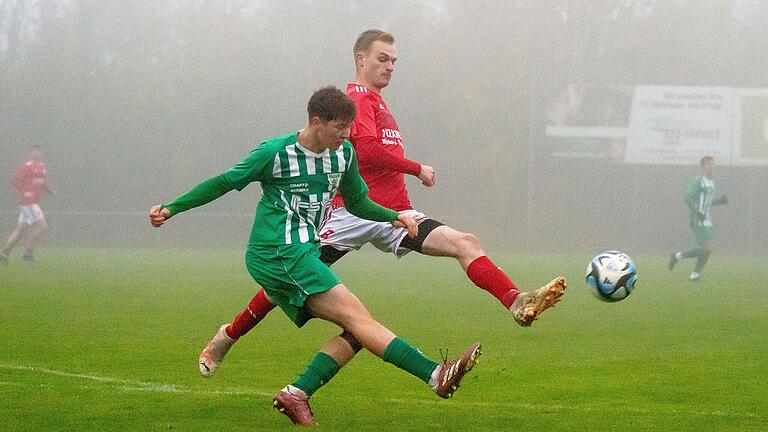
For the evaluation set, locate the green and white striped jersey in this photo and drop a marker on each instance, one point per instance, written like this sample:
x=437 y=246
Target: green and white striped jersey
x=699 y=196
x=298 y=186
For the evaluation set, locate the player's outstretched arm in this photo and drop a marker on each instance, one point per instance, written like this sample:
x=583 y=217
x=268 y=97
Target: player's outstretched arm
x=158 y=215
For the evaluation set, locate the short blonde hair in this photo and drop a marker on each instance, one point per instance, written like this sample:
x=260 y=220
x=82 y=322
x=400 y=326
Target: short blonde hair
x=368 y=37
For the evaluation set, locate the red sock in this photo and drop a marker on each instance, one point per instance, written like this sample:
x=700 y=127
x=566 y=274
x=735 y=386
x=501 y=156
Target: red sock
x=484 y=273
x=257 y=309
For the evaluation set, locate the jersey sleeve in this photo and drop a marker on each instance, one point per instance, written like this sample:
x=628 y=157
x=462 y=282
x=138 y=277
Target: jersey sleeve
x=252 y=168
x=255 y=167
x=365 y=134
x=201 y=194
x=355 y=194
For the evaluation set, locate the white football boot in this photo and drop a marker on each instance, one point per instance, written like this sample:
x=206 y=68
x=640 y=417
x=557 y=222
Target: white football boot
x=213 y=353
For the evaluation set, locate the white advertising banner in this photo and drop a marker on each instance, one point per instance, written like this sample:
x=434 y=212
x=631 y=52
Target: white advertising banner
x=679 y=125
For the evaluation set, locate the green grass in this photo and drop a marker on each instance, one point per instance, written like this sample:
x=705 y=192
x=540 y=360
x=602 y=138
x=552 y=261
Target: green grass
x=108 y=340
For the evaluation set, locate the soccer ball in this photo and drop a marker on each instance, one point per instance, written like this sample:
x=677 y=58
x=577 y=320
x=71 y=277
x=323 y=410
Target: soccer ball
x=612 y=276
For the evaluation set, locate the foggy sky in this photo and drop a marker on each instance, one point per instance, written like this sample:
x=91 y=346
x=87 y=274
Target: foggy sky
x=136 y=101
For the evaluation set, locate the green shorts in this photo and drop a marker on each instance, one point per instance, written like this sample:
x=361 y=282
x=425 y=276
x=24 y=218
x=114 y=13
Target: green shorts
x=289 y=274
x=703 y=234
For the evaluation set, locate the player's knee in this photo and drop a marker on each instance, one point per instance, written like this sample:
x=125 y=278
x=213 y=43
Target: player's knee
x=467 y=243
x=352 y=312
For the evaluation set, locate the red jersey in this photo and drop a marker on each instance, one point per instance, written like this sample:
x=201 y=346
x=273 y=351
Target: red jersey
x=29 y=180
x=379 y=148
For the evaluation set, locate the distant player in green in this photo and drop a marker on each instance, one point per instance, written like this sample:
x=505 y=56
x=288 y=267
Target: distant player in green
x=299 y=174
x=699 y=197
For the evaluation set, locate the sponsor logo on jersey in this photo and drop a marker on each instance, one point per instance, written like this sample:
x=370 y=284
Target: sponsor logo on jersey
x=391 y=137
x=309 y=206
x=299 y=187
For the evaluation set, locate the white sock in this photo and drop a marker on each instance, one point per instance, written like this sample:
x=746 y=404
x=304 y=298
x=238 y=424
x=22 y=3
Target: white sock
x=295 y=391
x=679 y=255
x=433 y=378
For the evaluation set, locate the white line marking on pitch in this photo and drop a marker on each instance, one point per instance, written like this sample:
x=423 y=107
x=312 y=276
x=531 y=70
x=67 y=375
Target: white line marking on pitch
x=145 y=386
x=134 y=385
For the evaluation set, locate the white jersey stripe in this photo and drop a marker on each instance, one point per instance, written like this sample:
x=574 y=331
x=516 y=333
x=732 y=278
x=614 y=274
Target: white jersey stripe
x=311 y=216
x=288 y=217
x=303 y=233
x=293 y=162
x=341 y=159
x=327 y=163
x=276 y=170
x=310 y=160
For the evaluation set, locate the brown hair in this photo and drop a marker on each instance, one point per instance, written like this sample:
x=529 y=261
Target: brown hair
x=368 y=37
x=706 y=159
x=330 y=103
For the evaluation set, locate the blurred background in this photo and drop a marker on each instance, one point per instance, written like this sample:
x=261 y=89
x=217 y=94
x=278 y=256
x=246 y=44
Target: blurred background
x=557 y=125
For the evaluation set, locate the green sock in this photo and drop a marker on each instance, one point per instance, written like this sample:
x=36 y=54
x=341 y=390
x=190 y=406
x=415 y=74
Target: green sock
x=319 y=371
x=408 y=358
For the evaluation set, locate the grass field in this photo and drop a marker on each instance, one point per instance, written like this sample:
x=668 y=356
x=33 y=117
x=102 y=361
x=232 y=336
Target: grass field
x=108 y=340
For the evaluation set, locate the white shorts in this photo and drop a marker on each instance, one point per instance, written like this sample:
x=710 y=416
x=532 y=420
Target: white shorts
x=345 y=231
x=30 y=214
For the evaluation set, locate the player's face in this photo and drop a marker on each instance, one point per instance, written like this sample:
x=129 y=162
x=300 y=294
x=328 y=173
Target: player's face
x=708 y=167
x=332 y=133
x=377 y=66
x=37 y=155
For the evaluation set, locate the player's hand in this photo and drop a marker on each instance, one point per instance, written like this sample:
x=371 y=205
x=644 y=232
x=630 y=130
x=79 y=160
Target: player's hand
x=427 y=176
x=407 y=222
x=157 y=217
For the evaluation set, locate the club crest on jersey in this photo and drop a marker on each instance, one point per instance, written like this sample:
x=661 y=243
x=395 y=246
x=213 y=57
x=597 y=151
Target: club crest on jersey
x=334 y=180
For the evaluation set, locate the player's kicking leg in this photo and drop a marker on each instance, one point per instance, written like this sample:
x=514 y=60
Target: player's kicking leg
x=529 y=305
x=441 y=240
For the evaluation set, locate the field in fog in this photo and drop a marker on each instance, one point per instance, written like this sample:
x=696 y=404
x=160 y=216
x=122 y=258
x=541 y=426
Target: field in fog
x=108 y=340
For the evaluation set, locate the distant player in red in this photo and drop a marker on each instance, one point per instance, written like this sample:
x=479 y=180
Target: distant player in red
x=30 y=182
x=380 y=149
